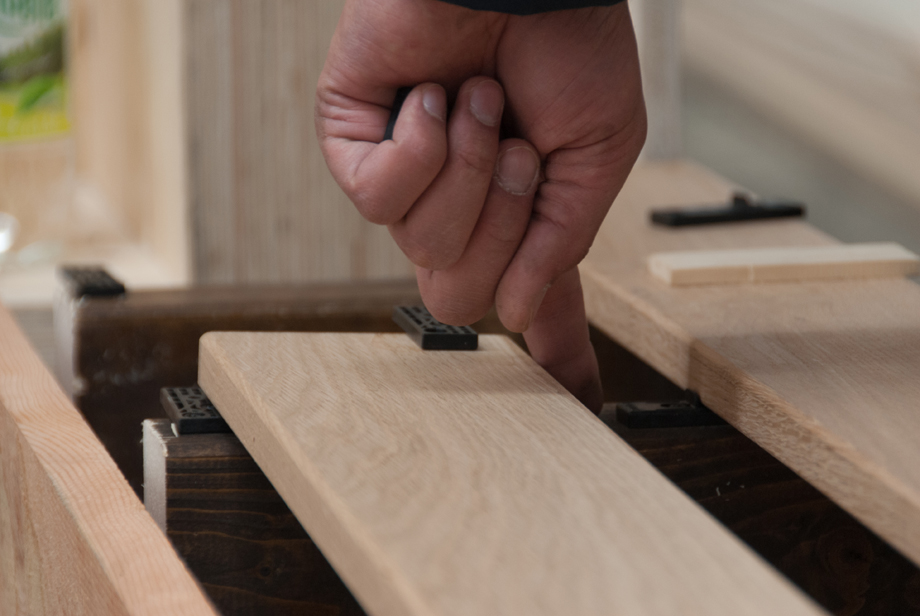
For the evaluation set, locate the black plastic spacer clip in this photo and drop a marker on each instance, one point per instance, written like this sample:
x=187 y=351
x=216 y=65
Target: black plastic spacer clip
x=678 y=414
x=190 y=411
x=431 y=334
x=90 y=281
x=740 y=208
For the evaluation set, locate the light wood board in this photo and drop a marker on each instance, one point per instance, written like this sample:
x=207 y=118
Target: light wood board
x=74 y=539
x=469 y=483
x=263 y=205
x=821 y=374
x=788 y=264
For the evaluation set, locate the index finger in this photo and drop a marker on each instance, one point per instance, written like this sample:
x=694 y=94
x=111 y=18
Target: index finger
x=580 y=186
x=559 y=341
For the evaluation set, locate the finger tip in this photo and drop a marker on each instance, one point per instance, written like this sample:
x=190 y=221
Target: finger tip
x=517 y=170
x=592 y=395
x=515 y=321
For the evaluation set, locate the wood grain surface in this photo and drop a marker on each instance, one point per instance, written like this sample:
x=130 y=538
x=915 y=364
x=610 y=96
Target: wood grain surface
x=823 y=375
x=193 y=120
x=787 y=264
x=264 y=207
x=471 y=482
x=74 y=539
x=115 y=355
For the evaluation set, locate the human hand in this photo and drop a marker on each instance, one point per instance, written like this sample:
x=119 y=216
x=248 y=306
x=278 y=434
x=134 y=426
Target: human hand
x=489 y=220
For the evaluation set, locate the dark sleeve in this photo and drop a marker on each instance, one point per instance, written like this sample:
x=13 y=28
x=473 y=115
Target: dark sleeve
x=529 y=7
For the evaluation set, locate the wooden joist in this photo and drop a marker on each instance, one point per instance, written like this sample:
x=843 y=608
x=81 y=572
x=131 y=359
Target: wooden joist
x=823 y=375
x=232 y=529
x=471 y=482
x=74 y=539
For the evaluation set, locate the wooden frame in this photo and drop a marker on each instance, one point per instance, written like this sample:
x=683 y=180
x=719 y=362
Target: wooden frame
x=74 y=538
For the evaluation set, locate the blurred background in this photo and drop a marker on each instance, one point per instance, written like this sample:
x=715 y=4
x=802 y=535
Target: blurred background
x=817 y=100
x=172 y=140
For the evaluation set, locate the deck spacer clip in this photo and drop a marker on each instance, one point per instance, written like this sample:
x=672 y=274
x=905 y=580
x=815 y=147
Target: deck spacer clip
x=689 y=411
x=432 y=335
x=191 y=412
x=740 y=208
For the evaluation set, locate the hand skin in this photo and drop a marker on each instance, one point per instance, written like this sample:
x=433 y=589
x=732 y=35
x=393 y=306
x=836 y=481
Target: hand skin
x=489 y=219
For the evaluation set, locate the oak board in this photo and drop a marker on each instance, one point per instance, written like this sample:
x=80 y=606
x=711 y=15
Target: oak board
x=788 y=264
x=461 y=483
x=823 y=375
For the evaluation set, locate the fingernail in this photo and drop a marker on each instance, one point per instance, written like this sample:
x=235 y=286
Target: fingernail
x=435 y=102
x=487 y=103
x=517 y=170
x=537 y=303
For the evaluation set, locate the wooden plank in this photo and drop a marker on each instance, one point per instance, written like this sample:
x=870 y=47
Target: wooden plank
x=242 y=542
x=471 y=482
x=233 y=530
x=115 y=355
x=820 y=374
x=788 y=264
x=73 y=537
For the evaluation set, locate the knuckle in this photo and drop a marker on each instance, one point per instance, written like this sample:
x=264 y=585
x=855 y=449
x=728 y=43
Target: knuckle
x=431 y=253
x=567 y=224
x=374 y=210
x=480 y=161
x=426 y=154
x=505 y=235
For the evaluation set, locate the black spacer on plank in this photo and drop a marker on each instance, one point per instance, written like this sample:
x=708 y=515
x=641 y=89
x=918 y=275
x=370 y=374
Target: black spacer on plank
x=431 y=334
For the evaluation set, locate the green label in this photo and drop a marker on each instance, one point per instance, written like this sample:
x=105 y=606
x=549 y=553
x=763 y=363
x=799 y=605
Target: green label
x=33 y=84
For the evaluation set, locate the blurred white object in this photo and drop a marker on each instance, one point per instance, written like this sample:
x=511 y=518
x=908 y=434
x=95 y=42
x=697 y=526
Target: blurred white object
x=9 y=228
x=39 y=253
x=657 y=24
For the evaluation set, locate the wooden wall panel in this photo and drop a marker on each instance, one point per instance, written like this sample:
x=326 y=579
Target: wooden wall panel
x=194 y=118
x=264 y=206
